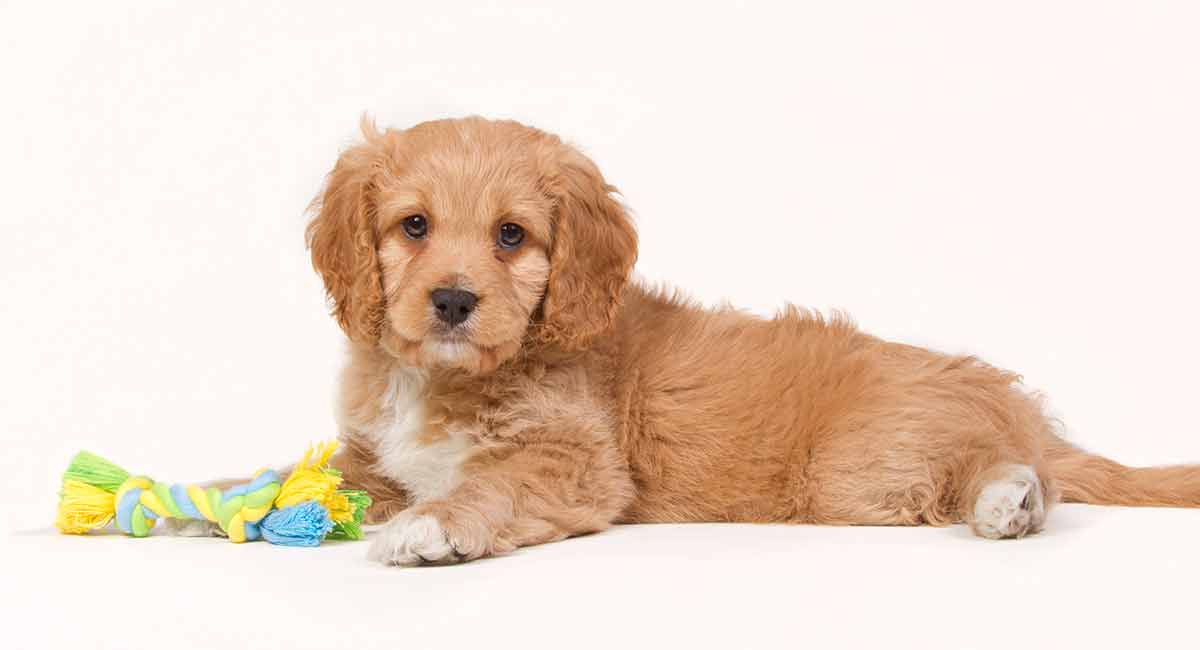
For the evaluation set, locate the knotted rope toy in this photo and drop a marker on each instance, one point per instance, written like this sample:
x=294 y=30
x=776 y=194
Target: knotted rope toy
x=301 y=511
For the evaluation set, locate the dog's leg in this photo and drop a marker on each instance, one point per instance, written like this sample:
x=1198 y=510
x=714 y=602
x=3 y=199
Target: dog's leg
x=357 y=461
x=519 y=495
x=1011 y=503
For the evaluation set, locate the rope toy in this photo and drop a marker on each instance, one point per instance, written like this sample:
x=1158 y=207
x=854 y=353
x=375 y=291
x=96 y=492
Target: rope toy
x=300 y=511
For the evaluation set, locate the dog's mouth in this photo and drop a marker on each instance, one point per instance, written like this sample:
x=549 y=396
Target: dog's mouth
x=448 y=344
x=450 y=334
x=447 y=349
x=451 y=348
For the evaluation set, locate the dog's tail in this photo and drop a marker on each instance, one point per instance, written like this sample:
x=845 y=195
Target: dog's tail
x=1082 y=477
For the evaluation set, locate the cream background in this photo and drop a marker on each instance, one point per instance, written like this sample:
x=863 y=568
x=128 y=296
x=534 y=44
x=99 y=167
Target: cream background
x=1015 y=180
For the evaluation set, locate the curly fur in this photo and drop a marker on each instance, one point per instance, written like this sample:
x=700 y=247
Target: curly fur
x=594 y=252
x=343 y=240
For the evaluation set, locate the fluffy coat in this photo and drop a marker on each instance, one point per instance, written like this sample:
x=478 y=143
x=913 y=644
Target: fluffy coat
x=573 y=399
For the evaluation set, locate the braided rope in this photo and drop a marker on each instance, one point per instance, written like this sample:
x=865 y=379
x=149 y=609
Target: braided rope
x=140 y=501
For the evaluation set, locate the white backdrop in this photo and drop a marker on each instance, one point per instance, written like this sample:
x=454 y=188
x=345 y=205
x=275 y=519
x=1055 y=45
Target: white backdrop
x=1017 y=181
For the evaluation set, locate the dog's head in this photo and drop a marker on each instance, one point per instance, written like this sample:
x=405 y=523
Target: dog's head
x=455 y=242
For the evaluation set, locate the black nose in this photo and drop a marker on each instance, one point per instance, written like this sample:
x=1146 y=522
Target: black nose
x=453 y=305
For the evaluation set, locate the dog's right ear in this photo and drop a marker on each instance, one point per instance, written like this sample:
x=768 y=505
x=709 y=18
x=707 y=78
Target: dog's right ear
x=342 y=239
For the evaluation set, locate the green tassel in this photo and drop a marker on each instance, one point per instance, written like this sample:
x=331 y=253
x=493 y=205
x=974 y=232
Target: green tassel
x=352 y=530
x=89 y=468
x=345 y=530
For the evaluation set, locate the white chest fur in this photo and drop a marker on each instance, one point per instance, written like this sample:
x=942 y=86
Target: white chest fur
x=428 y=470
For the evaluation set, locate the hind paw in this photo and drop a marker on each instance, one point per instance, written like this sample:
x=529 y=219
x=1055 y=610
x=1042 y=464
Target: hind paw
x=1011 y=506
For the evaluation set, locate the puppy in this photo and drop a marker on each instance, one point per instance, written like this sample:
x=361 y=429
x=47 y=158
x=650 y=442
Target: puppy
x=508 y=385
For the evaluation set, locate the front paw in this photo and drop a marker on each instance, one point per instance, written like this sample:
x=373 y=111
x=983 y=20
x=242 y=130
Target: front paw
x=421 y=536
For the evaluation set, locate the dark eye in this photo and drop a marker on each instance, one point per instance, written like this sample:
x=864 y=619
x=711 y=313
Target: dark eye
x=511 y=235
x=415 y=226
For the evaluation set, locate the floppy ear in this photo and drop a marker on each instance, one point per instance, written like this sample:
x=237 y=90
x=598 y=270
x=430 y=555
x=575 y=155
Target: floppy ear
x=343 y=241
x=593 y=249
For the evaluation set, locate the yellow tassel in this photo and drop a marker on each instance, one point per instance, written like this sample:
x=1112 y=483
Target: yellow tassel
x=340 y=510
x=83 y=507
x=311 y=482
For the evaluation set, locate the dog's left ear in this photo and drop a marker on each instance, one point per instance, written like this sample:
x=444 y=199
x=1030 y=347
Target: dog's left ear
x=592 y=252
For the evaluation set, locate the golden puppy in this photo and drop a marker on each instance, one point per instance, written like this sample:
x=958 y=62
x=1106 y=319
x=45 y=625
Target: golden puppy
x=507 y=385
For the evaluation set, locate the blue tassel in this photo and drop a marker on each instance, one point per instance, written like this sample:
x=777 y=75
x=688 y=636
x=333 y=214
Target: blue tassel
x=304 y=524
